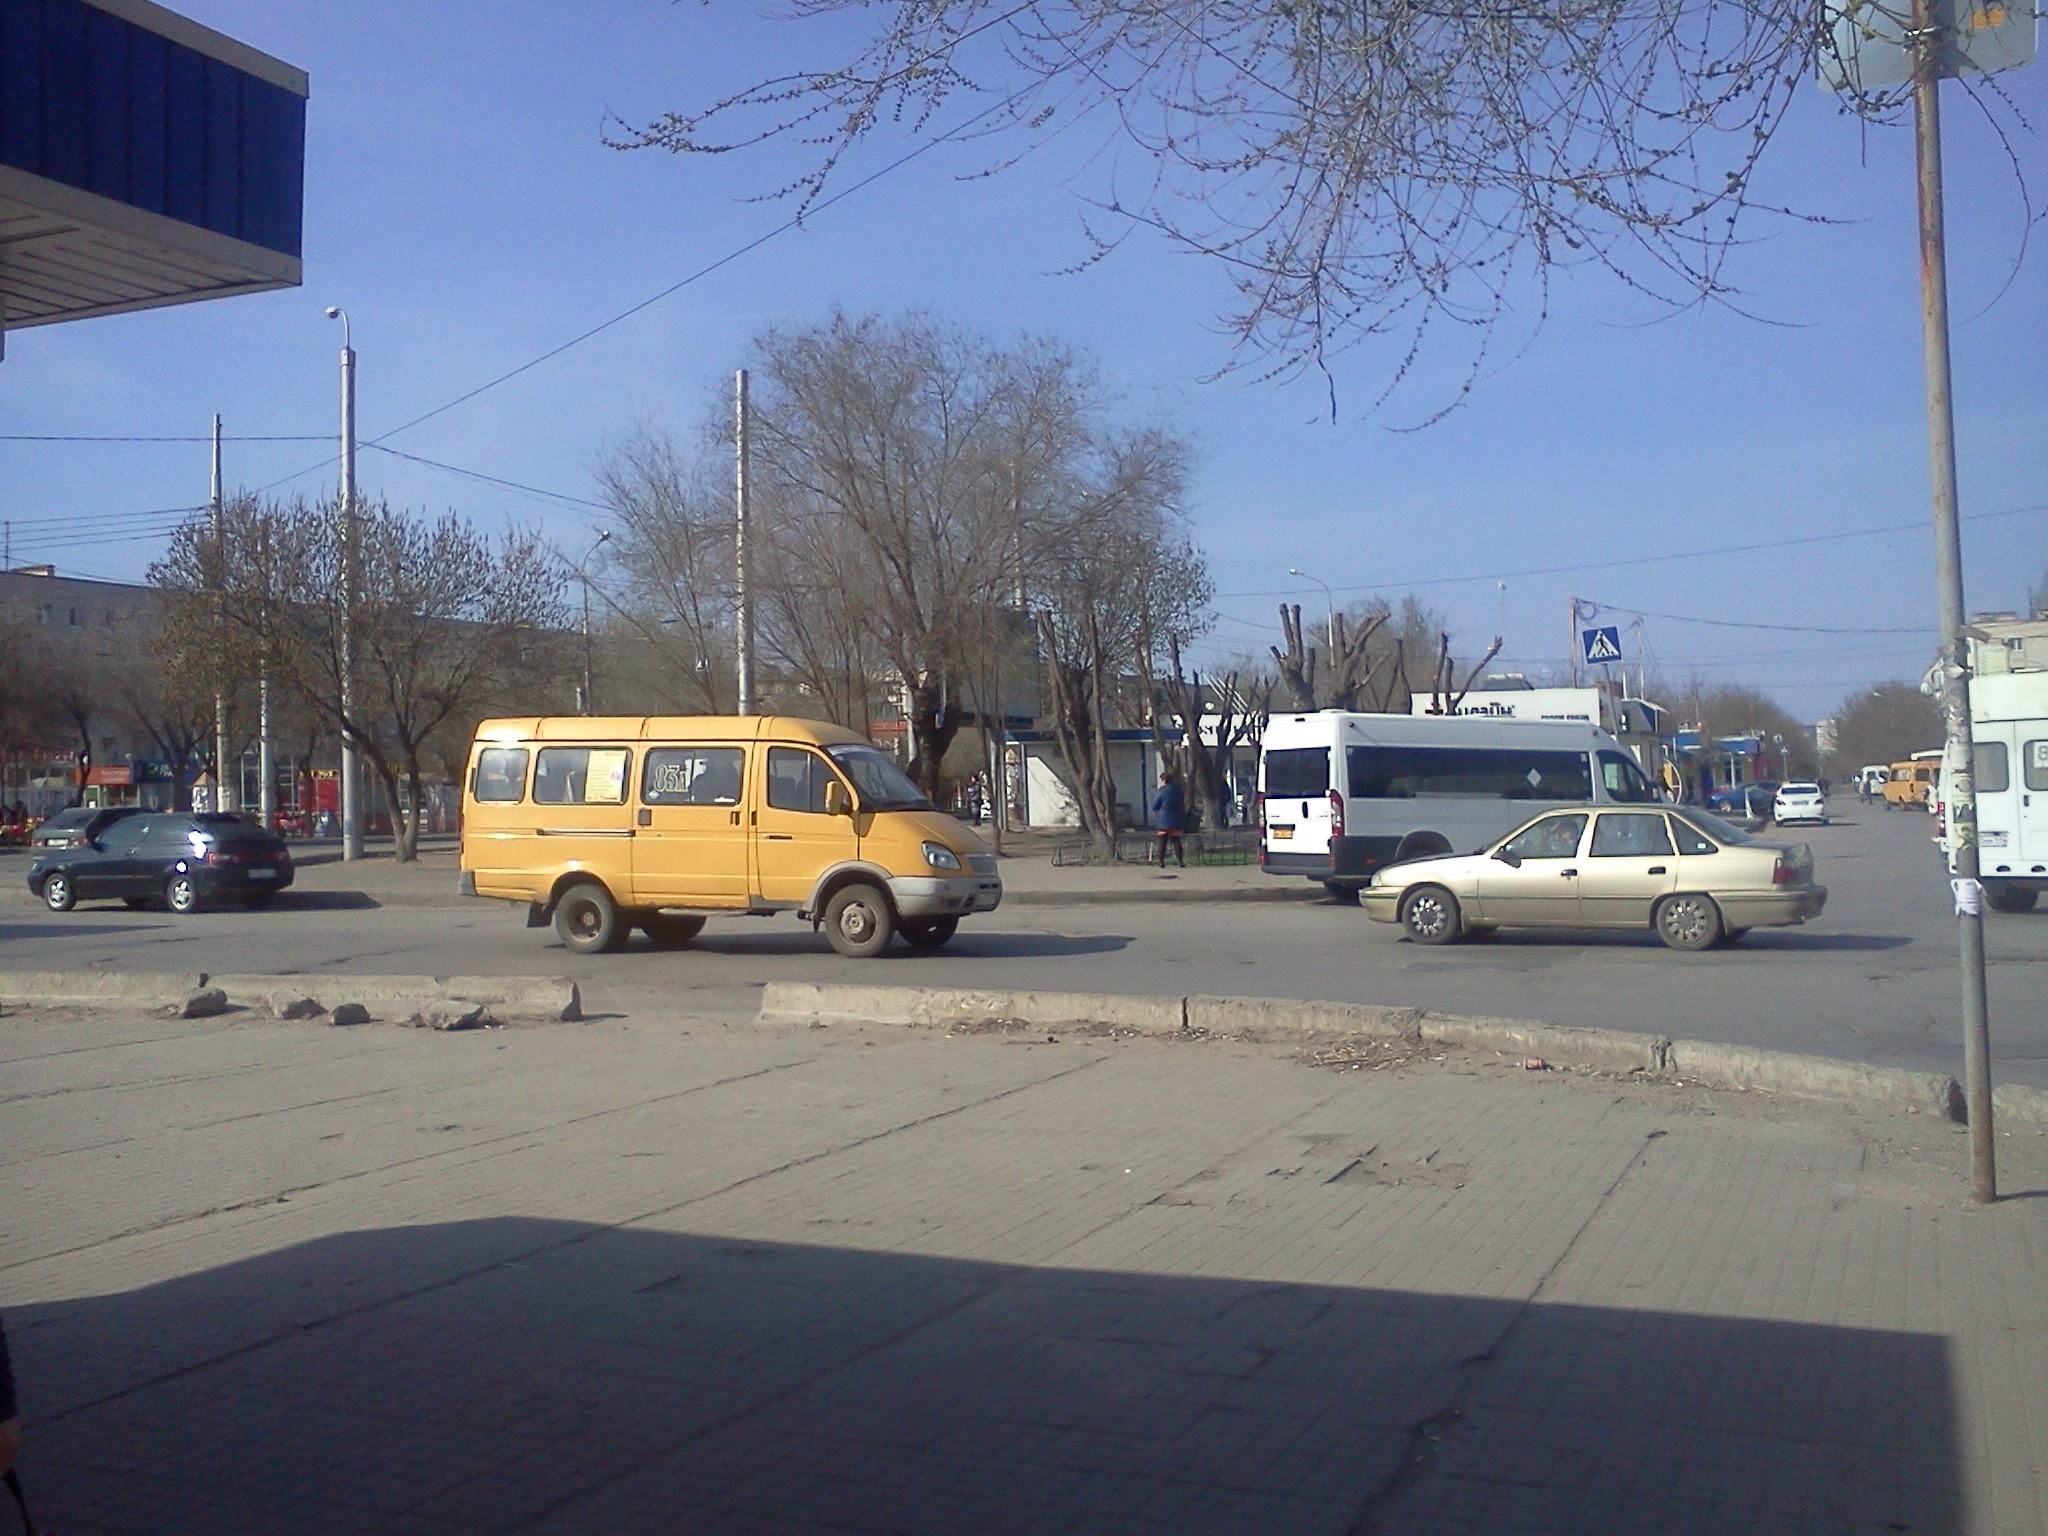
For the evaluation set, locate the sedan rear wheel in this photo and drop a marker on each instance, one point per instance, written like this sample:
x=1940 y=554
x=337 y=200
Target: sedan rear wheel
x=1430 y=914
x=57 y=892
x=1688 y=922
x=181 y=894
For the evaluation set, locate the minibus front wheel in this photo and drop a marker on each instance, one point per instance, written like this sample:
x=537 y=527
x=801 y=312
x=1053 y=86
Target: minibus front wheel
x=587 y=921
x=859 y=921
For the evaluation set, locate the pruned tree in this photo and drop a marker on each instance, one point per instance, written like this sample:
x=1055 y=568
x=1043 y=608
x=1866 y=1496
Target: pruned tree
x=1359 y=172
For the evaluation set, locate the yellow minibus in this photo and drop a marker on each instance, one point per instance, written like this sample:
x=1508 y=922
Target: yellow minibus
x=603 y=824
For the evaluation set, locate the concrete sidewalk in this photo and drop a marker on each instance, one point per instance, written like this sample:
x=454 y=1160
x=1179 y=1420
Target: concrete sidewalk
x=676 y=1274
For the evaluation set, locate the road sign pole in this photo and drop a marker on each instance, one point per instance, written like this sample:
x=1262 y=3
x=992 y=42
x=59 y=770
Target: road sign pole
x=1960 y=802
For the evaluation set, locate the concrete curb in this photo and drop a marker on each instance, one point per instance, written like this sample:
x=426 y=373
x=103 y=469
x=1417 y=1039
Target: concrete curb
x=2016 y=1101
x=1126 y=894
x=1703 y=1062
x=542 y=996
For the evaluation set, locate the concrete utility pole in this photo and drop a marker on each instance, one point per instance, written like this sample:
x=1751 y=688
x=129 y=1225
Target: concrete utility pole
x=1930 y=44
x=743 y=602
x=224 y=799
x=586 y=698
x=351 y=760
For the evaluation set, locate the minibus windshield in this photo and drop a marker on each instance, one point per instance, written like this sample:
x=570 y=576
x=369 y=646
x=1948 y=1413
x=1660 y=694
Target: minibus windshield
x=881 y=783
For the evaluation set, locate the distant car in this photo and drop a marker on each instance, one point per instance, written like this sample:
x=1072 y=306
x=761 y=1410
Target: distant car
x=182 y=860
x=1799 y=803
x=80 y=824
x=1749 y=803
x=1686 y=875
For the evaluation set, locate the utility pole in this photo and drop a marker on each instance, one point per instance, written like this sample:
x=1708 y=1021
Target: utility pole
x=586 y=697
x=743 y=603
x=266 y=768
x=351 y=759
x=1930 y=44
x=223 y=798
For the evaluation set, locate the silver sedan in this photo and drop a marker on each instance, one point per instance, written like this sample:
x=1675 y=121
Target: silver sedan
x=1690 y=877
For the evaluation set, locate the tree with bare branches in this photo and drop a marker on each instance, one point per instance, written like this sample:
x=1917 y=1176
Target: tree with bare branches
x=1362 y=173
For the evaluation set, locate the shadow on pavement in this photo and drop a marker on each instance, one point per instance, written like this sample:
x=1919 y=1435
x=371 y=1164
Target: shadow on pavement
x=326 y=901
x=517 y=1373
x=791 y=939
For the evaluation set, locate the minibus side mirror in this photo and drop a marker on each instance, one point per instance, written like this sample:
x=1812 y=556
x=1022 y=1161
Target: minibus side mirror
x=1508 y=857
x=836 y=801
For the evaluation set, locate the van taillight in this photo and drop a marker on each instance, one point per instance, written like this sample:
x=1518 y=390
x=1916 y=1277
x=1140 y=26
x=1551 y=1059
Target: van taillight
x=1336 y=814
x=1259 y=808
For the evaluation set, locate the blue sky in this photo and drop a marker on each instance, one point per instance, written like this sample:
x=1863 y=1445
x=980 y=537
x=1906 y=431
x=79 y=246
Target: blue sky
x=462 y=208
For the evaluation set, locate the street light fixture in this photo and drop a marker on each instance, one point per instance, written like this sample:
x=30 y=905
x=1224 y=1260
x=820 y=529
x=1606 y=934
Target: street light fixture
x=351 y=761
x=1329 y=597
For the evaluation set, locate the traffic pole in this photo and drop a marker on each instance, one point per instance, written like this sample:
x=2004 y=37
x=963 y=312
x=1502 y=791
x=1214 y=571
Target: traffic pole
x=1930 y=44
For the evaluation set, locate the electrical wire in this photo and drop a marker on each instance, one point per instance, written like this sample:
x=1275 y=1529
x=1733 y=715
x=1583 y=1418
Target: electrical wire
x=1690 y=554
x=562 y=497
x=72 y=437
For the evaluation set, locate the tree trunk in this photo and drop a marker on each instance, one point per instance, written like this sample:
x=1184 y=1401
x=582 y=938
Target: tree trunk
x=933 y=724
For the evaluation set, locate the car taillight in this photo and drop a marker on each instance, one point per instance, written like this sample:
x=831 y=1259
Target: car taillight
x=1781 y=872
x=1336 y=814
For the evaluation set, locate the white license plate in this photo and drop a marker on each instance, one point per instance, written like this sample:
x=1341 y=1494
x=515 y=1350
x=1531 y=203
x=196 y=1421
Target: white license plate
x=1995 y=840
x=265 y=872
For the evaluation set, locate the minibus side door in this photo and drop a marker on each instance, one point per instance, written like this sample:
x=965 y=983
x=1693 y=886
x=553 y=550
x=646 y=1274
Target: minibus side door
x=690 y=843
x=580 y=817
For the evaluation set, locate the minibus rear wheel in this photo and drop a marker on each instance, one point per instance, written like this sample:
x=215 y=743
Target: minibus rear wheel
x=670 y=930
x=929 y=932
x=859 y=921
x=586 y=921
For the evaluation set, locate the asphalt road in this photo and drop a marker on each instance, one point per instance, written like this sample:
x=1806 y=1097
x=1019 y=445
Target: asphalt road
x=1875 y=979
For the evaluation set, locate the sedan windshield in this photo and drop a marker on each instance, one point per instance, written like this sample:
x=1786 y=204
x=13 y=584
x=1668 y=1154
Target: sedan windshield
x=881 y=783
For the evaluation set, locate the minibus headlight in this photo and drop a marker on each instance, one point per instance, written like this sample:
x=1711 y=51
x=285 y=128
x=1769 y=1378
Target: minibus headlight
x=939 y=856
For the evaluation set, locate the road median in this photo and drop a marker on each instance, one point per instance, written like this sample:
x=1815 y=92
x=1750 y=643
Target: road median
x=381 y=996
x=1704 y=1063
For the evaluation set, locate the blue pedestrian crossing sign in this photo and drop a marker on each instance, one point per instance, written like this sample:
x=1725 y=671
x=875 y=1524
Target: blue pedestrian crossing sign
x=1602 y=644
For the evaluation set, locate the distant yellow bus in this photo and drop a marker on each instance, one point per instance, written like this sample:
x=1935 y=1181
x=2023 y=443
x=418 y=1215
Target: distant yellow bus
x=1912 y=781
x=603 y=824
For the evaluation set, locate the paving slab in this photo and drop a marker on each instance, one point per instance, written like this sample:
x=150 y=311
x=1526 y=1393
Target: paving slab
x=673 y=1273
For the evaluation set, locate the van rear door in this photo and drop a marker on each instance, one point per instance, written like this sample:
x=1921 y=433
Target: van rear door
x=1297 y=803
x=2033 y=790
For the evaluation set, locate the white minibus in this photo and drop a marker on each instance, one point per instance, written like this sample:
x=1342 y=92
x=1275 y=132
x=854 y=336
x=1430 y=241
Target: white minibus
x=2009 y=740
x=1343 y=794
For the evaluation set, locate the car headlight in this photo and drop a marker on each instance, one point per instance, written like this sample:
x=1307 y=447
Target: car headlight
x=939 y=856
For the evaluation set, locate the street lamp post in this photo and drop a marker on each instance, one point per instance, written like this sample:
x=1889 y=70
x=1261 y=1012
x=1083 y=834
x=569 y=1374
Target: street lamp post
x=585 y=697
x=1330 y=612
x=351 y=761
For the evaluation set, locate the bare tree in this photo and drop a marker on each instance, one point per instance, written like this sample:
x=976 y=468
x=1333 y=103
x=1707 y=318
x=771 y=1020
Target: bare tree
x=673 y=527
x=444 y=619
x=1358 y=171
x=1124 y=592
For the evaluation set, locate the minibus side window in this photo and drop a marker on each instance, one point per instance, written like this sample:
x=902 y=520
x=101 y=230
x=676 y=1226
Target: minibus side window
x=581 y=776
x=1994 y=774
x=797 y=780
x=2036 y=760
x=500 y=775
x=692 y=776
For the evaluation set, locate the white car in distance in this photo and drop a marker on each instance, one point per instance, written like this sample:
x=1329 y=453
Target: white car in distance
x=1800 y=802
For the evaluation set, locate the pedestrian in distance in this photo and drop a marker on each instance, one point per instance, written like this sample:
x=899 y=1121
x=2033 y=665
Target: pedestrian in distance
x=1170 y=817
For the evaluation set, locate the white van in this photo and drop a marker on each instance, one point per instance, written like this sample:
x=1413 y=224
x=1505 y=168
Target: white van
x=2009 y=736
x=1342 y=794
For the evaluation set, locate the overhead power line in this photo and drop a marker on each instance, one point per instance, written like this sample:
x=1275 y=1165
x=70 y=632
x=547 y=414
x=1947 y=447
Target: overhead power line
x=1757 y=547
x=72 y=437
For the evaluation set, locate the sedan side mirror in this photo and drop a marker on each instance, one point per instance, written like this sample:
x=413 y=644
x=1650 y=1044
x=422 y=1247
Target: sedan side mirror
x=836 y=801
x=1511 y=859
